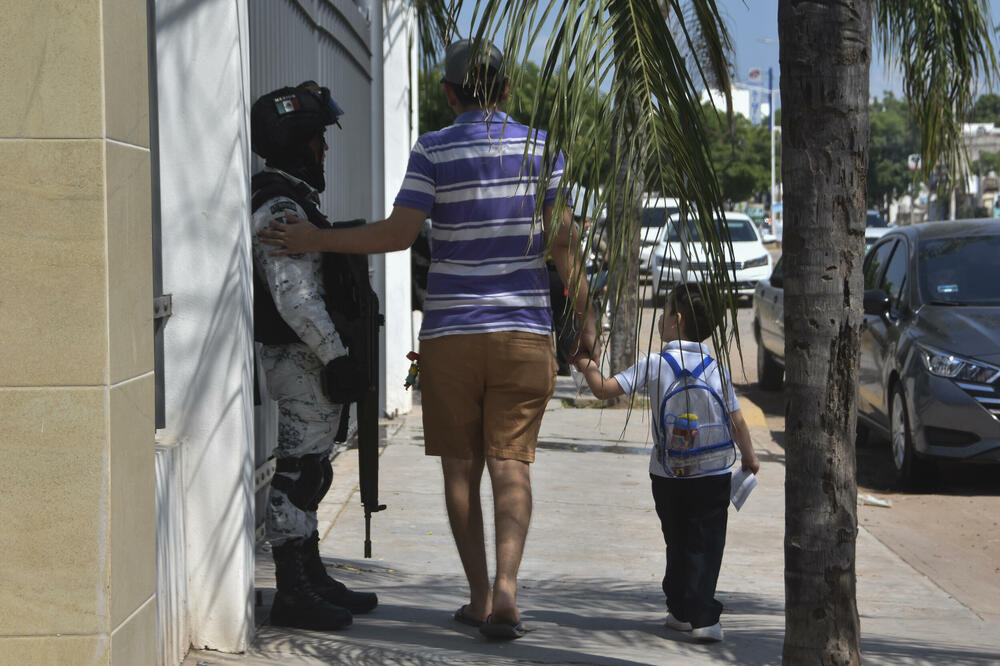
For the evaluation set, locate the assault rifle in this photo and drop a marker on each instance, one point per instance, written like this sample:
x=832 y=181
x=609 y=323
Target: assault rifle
x=363 y=349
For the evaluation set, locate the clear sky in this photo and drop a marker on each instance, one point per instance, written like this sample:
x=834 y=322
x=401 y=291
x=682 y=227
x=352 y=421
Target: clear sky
x=753 y=27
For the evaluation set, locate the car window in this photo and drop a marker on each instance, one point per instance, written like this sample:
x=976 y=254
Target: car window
x=875 y=261
x=894 y=279
x=674 y=235
x=653 y=217
x=739 y=230
x=959 y=271
x=874 y=219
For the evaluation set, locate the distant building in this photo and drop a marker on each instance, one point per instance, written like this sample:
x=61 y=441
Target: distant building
x=749 y=103
x=981 y=138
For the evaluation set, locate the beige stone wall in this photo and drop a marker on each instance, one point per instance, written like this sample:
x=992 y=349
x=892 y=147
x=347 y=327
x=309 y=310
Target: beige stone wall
x=77 y=571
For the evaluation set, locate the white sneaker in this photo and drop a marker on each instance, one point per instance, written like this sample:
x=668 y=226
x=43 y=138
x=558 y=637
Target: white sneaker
x=712 y=634
x=673 y=623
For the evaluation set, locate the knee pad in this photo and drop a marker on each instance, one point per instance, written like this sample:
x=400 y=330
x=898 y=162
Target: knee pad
x=325 y=468
x=315 y=473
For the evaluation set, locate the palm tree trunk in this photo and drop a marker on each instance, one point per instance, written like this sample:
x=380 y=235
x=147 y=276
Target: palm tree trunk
x=825 y=56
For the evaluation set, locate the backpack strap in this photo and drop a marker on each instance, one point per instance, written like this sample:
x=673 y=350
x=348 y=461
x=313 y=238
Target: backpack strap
x=705 y=362
x=674 y=365
x=684 y=372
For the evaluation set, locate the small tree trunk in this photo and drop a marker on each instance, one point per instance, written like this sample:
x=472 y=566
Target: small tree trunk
x=825 y=55
x=624 y=278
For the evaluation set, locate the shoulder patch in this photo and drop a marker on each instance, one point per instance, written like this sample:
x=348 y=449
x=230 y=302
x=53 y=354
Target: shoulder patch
x=284 y=204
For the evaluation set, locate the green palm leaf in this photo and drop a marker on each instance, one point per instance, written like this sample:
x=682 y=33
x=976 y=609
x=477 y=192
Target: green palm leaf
x=946 y=45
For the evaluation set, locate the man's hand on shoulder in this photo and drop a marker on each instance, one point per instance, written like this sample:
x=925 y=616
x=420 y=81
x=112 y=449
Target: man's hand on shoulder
x=294 y=235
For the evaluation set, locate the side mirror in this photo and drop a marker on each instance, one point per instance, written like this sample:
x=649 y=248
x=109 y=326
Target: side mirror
x=777 y=281
x=876 y=302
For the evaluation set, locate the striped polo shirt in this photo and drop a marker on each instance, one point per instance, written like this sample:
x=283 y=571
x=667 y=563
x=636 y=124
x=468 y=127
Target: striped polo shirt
x=487 y=269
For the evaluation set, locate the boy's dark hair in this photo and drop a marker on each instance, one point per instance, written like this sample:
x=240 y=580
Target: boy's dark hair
x=484 y=87
x=696 y=321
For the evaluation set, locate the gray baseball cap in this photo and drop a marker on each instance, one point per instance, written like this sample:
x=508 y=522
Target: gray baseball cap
x=460 y=57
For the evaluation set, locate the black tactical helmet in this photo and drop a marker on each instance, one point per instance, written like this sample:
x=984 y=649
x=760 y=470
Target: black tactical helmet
x=283 y=120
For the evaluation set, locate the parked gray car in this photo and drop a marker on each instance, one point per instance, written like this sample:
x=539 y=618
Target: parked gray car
x=769 y=329
x=769 y=320
x=929 y=375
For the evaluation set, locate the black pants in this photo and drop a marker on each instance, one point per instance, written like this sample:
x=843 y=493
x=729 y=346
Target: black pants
x=693 y=515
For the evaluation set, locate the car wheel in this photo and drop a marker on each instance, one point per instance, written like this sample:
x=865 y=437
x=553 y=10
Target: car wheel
x=907 y=468
x=770 y=375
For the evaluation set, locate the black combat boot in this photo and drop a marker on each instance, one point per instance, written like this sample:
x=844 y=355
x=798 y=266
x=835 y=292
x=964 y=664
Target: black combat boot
x=333 y=591
x=297 y=603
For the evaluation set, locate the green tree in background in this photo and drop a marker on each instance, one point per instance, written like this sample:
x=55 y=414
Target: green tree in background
x=741 y=152
x=894 y=137
x=987 y=162
x=986 y=109
x=434 y=113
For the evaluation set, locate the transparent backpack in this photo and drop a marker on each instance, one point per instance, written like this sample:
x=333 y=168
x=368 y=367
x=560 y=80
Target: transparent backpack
x=692 y=432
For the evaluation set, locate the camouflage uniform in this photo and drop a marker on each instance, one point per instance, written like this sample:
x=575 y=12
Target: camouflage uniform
x=307 y=420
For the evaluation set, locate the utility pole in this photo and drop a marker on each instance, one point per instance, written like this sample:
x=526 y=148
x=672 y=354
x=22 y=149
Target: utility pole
x=770 y=116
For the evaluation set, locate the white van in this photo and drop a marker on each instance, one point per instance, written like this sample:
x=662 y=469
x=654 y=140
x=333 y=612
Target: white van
x=656 y=210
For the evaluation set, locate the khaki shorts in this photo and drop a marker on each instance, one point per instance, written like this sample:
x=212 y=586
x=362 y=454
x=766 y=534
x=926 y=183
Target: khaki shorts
x=483 y=395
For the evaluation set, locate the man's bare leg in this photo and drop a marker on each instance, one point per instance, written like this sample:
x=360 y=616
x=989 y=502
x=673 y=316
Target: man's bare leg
x=462 y=479
x=512 y=510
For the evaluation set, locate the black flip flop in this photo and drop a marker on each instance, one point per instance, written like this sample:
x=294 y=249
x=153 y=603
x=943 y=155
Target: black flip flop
x=502 y=630
x=462 y=616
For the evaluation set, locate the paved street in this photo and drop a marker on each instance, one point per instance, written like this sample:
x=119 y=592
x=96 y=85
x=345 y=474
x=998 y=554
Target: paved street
x=590 y=578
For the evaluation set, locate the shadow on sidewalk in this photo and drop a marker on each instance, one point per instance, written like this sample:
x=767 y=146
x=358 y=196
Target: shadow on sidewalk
x=571 y=621
x=888 y=651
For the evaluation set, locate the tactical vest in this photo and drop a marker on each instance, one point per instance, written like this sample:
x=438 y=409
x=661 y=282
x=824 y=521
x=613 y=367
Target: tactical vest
x=345 y=276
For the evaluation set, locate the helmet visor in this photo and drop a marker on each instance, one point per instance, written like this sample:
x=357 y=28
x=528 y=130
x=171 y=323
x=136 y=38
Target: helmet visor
x=329 y=108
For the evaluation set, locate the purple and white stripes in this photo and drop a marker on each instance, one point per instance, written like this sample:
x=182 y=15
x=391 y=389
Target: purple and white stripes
x=479 y=188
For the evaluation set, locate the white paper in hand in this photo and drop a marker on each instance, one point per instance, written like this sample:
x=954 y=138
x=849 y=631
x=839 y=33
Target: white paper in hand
x=743 y=482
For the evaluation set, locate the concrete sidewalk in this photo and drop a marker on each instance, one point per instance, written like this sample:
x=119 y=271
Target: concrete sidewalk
x=590 y=579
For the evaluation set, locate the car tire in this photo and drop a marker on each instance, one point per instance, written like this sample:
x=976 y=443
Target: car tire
x=770 y=375
x=907 y=468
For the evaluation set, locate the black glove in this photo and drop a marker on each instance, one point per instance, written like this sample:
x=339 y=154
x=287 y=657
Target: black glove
x=344 y=380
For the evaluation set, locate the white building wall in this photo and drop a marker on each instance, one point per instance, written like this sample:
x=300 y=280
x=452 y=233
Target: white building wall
x=399 y=104
x=201 y=51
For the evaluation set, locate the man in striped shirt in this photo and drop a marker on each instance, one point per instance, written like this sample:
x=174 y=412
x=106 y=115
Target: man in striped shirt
x=486 y=356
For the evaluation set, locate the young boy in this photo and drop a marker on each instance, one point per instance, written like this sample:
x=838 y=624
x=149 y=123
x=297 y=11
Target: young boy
x=693 y=509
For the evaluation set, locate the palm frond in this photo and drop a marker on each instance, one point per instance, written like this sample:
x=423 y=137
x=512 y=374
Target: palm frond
x=437 y=26
x=944 y=44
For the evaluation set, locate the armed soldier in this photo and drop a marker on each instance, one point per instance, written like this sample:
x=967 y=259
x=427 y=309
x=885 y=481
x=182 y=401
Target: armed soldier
x=304 y=310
